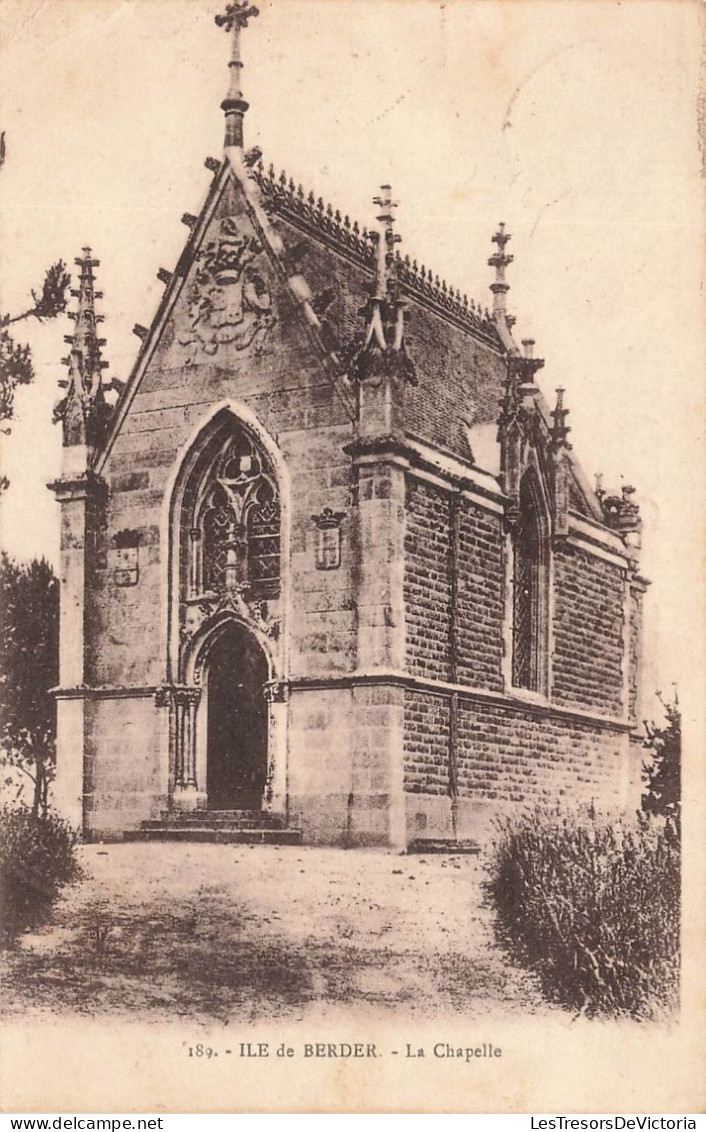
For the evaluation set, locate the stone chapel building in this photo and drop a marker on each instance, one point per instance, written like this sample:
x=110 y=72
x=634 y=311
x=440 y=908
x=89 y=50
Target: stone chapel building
x=318 y=581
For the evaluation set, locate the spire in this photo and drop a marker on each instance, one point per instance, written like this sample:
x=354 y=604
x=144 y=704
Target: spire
x=382 y=342
x=235 y=17
x=500 y=260
x=83 y=411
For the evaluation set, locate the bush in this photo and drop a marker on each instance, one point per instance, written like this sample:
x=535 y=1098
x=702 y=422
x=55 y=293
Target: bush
x=662 y=773
x=593 y=907
x=29 y=667
x=37 y=857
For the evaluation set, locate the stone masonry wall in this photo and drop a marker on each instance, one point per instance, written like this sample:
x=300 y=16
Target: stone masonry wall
x=345 y=765
x=427 y=582
x=428 y=590
x=588 y=632
x=426 y=743
x=509 y=754
x=518 y=756
x=125 y=763
x=480 y=600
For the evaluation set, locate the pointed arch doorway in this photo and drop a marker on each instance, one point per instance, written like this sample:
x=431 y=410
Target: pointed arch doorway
x=236 y=673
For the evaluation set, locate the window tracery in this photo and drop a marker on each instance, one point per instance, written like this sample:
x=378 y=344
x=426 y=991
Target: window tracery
x=236 y=532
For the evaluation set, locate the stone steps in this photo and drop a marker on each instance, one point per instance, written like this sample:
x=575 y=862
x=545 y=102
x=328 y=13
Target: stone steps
x=216 y=835
x=234 y=827
x=217 y=820
x=206 y=815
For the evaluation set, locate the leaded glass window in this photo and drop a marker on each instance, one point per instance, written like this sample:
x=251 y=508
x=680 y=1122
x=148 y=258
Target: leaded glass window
x=219 y=522
x=263 y=540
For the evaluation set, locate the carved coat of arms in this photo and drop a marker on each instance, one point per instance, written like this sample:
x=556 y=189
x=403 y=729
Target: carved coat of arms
x=229 y=302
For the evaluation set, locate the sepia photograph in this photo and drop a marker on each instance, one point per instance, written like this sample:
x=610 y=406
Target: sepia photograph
x=351 y=531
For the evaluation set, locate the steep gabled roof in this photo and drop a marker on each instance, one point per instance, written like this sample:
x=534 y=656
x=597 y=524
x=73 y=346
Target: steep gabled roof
x=458 y=348
x=273 y=199
x=313 y=216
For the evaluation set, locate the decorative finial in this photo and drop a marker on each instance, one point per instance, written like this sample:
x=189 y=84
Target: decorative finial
x=386 y=240
x=235 y=17
x=84 y=411
x=622 y=513
x=382 y=343
x=500 y=260
x=521 y=369
x=560 y=430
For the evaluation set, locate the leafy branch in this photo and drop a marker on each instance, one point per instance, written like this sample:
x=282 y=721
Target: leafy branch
x=53 y=299
x=16 y=366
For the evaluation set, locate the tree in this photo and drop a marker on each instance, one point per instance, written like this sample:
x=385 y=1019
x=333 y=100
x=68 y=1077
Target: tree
x=662 y=774
x=16 y=359
x=29 y=668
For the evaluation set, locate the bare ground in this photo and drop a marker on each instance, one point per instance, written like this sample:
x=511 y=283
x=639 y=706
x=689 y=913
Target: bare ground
x=214 y=933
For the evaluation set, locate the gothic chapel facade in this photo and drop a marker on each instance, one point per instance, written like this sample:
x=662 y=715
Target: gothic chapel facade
x=319 y=583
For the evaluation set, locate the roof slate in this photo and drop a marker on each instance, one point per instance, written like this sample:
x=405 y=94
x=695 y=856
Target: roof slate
x=455 y=347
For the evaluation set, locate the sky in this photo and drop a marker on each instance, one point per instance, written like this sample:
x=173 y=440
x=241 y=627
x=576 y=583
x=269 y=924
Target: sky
x=576 y=123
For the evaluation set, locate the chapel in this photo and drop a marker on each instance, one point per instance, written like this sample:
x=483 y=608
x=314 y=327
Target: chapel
x=331 y=571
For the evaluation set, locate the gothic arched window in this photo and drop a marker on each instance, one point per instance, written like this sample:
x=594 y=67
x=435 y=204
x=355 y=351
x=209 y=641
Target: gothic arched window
x=236 y=529
x=529 y=598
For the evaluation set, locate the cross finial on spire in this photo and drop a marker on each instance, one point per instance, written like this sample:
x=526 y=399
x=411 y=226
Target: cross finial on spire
x=234 y=19
x=500 y=260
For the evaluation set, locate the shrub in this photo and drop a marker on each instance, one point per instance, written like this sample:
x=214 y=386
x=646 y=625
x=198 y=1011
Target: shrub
x=29 y=667
x=662 y=773
x=593 y=907
x=37 y=856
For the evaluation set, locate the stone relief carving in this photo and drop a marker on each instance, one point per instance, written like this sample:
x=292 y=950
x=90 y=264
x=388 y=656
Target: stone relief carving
x=254 y=613
x=229 y=303
x=328 y=538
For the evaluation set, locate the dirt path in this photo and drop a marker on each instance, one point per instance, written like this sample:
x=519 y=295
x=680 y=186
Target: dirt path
x=214 y=933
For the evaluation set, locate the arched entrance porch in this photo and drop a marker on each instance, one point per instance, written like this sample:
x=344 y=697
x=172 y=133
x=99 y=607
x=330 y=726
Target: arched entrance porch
x=229 y=722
